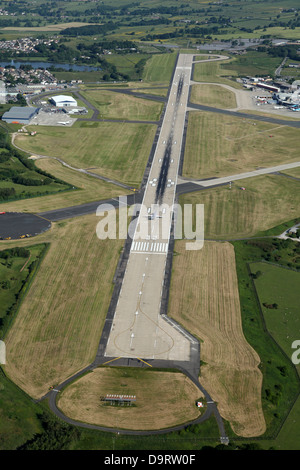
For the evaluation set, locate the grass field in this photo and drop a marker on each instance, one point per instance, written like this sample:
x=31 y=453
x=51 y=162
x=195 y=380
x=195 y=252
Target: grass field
x=121 y=107
x=279 y=286
x=232 y=213
x=219 y=145
x=254 y=64
x=159 y=68
x=59 y=324
x=163 y=399
x=18 y=416
x=15 y=269
x=116 y=150
x=215 y=72
x=287 y=438
x=206 y=302
x=213 y=95
x=280 y=387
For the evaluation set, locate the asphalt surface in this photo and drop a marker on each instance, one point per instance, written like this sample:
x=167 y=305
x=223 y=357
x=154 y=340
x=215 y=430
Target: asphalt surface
x=14 y=225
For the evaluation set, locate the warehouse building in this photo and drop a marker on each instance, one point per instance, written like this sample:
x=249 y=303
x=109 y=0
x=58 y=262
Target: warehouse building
x=63 y=101
x=20 y=114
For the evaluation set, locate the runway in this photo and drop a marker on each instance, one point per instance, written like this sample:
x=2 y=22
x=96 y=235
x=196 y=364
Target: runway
x=138 y=328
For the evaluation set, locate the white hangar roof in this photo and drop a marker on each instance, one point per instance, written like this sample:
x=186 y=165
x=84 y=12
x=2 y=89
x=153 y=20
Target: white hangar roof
x=60 y=100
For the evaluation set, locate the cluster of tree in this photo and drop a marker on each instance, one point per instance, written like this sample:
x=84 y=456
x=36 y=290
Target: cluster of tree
x=270 y=306
x=6 y=320
x=119 y=47
x=151 y=22
x=284 y=51
x=203 y=31
x=7 y=193
x=21 y=100
x=55 y=436
x=274 y=396
x=20 y=175
x=181 y=10
x=54 y=53
x=196 y=31
x=17 y=176
x=19 y=179
x=57 y=52
x=286 y=251
x=291 y=24
x=4 y=157
x=16 y=252
x=89 y=30
x=170 y=35
x=139 y=66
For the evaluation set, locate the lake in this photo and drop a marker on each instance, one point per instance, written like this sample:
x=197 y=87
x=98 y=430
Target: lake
x=47 y=65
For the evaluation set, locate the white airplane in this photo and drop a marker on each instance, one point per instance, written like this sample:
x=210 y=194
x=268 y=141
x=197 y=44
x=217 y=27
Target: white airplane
x=152 y=215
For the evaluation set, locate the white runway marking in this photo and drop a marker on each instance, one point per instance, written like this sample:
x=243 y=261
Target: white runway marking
x=146 y=247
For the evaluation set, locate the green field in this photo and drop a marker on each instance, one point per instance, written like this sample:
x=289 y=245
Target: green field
x=18 y=416
x=118 y=106
x=215 y=72
x=276 y=285
x=254 y=64
x=17 y=267
x=232 y=213
x=220 y=145
x=213 y=95
x=116 y=150
x=281 y=381
x=159 y=68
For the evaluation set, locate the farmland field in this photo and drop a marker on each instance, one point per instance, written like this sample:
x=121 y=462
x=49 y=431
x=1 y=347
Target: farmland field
x=163 y=398
x=206 y=302
x=60 y=321
x=218 y=145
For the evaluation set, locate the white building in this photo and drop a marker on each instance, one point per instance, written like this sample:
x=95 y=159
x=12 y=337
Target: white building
x=63 y=101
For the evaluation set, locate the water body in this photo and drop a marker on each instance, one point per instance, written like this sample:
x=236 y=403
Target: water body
x=47 y=65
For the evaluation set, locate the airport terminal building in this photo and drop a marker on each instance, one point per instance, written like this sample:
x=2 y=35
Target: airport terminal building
x=20 y=114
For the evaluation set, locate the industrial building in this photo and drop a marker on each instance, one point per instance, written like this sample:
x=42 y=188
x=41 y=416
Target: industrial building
x=20 y=114
x=63 y=101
